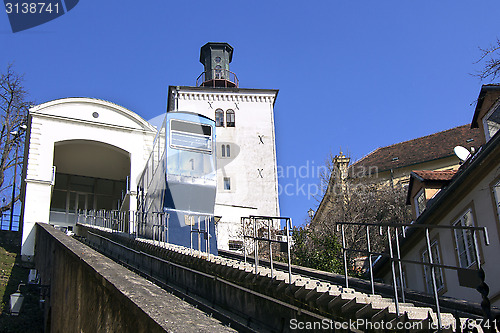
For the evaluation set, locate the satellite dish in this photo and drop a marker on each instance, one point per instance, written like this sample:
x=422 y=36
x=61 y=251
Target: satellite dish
x=461 y=152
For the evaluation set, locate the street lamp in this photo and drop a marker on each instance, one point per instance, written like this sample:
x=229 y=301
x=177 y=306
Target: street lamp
x=16 y=301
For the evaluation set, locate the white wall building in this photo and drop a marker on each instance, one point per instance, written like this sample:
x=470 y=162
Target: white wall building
x=81 y=153
x=245 y=134
x=84 y=153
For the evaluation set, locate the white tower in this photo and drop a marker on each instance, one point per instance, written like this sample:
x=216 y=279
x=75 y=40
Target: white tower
x=245 y=135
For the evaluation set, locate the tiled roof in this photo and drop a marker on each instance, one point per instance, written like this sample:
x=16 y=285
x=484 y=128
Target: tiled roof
x=427 y=148
x=426 y=175
x=442 y=177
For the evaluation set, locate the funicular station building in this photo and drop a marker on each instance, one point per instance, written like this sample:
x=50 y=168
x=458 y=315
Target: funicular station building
x=89 y=154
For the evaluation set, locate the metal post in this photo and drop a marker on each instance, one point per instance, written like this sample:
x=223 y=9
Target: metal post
x=370 y=259
x=398 y=252
x=344 y=254
x=168 y=220
x=270 y=245
x=13 y=190
x=243 y=219
x=163 y=229
x=433 y=275
x=288 y=249
x=476 y=249
x=255 y=245
x=208 y=235
x=191 y=235
x=199 y=236
x=396 y=301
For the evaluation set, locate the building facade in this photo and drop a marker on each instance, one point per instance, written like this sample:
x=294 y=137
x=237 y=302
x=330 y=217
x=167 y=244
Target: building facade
x=469 y=196
x=88 y=154
x=245 y=134
x=393 y=164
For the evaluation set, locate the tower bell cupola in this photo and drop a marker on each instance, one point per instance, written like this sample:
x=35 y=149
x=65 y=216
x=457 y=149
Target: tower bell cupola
x=216 y=57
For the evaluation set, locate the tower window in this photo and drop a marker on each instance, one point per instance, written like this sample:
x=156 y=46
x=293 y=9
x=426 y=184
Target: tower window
x=227 y=183
x=219 y=118
x=225 y=151
x=230 y=118
x=218 y=72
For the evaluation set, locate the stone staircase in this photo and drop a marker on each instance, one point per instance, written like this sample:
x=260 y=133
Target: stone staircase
x=364 y=312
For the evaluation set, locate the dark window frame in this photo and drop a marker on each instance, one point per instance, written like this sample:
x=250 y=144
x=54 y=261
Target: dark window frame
x=219 y=118
x=230 y=118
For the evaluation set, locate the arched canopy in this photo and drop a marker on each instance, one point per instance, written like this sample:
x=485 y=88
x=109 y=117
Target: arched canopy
x=93 y=110
x=92 y=159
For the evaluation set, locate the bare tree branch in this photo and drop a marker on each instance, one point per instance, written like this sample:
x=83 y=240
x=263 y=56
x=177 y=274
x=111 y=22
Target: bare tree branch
x=491 y=60
x=355 y=200
x=14 y=107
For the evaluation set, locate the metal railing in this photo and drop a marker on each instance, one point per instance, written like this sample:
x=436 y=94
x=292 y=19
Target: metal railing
x=154 y=226
x=267 y=224
x=218 y=78
x=114 y=220
x=394 y=255
x=7 y=224
x=200 y=226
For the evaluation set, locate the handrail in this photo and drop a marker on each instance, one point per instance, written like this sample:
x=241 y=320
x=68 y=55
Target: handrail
x=394 y=255
x=217 y=75
x=270 y=219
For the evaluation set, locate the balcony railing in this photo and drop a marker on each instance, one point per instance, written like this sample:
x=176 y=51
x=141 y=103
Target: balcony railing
x=218 y=78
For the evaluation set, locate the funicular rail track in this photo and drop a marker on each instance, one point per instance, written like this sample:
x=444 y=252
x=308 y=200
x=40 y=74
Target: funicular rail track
x=331 y=302
x=204 y=305
x=237 y=320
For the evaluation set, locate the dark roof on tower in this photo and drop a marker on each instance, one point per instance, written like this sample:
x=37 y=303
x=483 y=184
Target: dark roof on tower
x=209 y=45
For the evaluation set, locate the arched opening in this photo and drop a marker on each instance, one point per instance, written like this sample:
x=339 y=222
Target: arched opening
x=89 y=175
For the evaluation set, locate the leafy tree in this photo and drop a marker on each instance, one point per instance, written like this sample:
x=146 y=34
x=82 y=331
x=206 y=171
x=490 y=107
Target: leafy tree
x=14 y=108
x=315 y=250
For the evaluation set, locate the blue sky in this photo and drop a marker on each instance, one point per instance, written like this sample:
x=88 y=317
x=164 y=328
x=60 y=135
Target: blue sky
x=352 y=74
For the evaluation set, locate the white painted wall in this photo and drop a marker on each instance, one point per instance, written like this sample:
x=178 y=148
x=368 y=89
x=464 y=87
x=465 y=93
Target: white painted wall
x=254 y=117
x=228 y=228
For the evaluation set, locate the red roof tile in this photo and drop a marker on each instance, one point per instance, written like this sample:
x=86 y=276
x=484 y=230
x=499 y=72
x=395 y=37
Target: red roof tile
x=428 y=148
x=435 y=175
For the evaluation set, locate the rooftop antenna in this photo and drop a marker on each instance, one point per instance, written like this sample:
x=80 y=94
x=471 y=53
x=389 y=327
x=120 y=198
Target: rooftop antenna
x=462 y=153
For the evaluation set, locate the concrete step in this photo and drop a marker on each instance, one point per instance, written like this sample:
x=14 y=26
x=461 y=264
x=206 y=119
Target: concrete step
x=336 y=303
x=336 y=299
